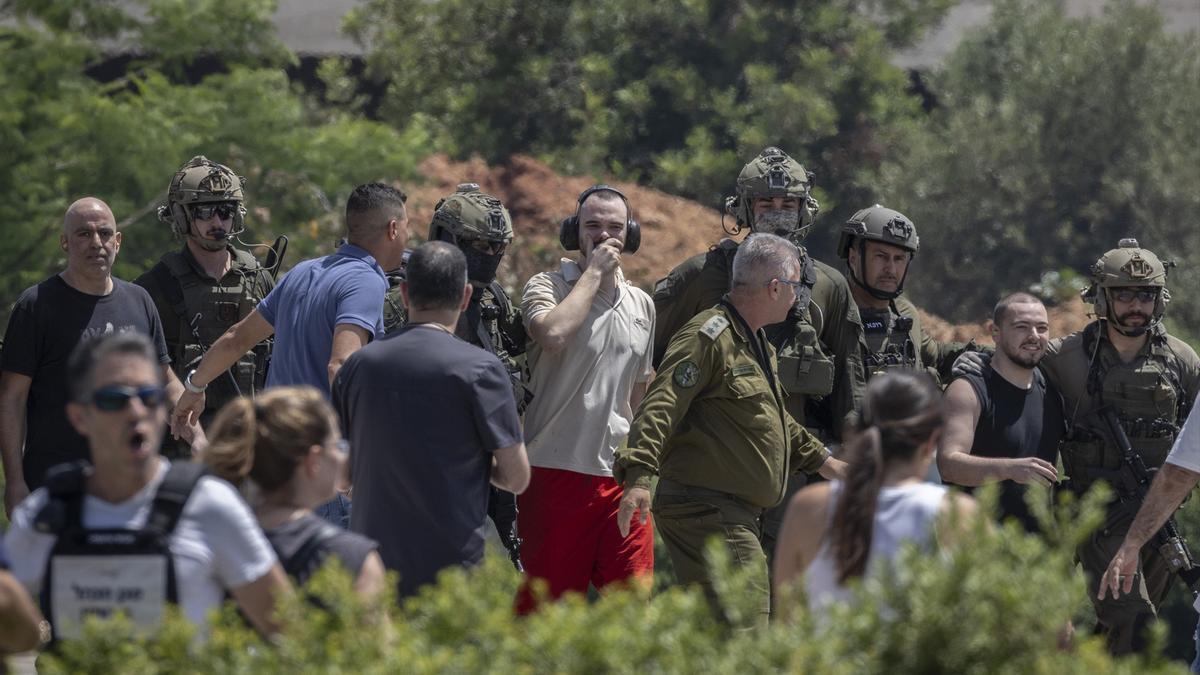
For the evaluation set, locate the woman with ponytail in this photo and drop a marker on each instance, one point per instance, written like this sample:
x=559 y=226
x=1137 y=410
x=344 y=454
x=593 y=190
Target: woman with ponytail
x=284 y=450
x=838 y=531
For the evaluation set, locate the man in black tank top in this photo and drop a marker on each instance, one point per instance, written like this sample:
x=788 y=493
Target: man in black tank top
x=1005 y=423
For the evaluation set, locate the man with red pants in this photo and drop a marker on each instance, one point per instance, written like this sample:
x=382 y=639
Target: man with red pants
x=589 y=362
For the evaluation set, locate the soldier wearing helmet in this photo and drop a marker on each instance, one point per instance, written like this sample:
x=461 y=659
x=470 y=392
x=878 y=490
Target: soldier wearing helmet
x=481 y=227
x=820 y=343
x=208 y=285
x=878 y=245
x=1126 y=362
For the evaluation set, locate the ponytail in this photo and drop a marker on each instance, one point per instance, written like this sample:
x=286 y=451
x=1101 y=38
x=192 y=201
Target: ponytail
x=230 y=451
x=854 y=517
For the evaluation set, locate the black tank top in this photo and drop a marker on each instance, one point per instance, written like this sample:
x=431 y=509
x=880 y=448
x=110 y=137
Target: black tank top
x=1015 y=422
x=304 y=544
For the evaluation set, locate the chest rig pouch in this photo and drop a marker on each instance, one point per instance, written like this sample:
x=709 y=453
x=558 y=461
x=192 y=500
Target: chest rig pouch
x=206 y=311
x=805 y=366
x=493 y=324
x=889 y=343
x=1146 y=396
x=105 y=572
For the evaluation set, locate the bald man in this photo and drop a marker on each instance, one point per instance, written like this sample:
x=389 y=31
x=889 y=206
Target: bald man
x=47 y=322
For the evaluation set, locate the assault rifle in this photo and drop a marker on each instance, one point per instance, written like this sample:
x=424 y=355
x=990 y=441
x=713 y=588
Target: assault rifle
x=1135 y=483
x=502 y=509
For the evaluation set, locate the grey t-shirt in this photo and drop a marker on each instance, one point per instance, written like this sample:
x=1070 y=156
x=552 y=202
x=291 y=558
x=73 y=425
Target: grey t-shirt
x=423 y=411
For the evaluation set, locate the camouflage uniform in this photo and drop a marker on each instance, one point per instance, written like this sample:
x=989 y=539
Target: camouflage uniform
x=1151 y=396
x=819 y=345
x=194 y=308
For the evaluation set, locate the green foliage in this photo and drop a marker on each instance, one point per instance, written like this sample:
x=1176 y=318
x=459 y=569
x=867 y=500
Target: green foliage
x=994 y=603
x=66 y=135
x=677 y=94
x=1056 y=136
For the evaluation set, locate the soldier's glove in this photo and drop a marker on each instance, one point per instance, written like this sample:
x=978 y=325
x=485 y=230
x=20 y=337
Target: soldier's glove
x=970 y=363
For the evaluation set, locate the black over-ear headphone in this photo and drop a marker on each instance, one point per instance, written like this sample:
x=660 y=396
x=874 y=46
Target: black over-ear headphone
x=568 y=231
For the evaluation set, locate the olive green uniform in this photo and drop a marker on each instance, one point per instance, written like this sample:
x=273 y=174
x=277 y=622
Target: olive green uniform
x=714 y=428
x=1152 y=395
x=887 y=347
x=196 y=309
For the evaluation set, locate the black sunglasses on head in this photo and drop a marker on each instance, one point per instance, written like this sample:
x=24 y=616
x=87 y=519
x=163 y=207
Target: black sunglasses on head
x=223 y=209
x=114 y=398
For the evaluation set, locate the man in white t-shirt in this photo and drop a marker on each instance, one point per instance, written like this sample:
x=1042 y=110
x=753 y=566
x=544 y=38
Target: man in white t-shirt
x=589 y=363
x=1174 y=481
x=98 y=548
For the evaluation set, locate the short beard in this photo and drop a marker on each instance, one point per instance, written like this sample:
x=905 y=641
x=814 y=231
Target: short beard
x=1019 y=358
x=777 y=222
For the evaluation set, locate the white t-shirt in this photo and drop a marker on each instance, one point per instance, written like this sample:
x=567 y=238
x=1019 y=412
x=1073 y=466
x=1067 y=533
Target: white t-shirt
x=1186 y=451
x=580 y=410
x=217 y=544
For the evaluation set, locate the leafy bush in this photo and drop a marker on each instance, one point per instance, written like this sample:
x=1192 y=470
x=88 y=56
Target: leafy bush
x=994 y=604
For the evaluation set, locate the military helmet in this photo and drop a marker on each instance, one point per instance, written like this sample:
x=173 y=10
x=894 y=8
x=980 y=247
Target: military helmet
x=881 y=224
x=773 y=174
x=200 y=181
x=1128 y=265
x=470 y=214
x=884 y=225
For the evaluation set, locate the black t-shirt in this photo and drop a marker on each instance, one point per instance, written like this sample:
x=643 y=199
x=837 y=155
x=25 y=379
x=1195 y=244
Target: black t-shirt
x=304 y=544
x=423 y=411
x=1015 y=422
x=48 y=321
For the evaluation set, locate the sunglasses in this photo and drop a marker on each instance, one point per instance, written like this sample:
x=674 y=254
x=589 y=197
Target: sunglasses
x=1142 y=294
x=488 y=247
x=796 y=285
x=224 y=210
x=342 y=448
x=112 y=399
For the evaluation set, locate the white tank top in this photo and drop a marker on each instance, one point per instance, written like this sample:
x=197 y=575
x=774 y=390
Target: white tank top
x=903 y=513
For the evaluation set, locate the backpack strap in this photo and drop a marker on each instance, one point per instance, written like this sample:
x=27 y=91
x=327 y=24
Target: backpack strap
x=310 y=550
x=65 y=484
x=173 y=494
x=172 y=289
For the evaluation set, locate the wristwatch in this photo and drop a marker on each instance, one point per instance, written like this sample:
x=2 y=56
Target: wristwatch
x=187 y=384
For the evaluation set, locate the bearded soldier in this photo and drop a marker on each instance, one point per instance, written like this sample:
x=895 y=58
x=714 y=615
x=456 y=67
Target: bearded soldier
x=878 y=245
x=819 y=343
x=208 y=286
x=480 y=226
x=1124 y=362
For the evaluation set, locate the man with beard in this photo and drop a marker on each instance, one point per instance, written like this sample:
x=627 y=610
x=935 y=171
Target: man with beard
x=46 y=324
x=819 y=342
x=203 y=289
x=878 y=245
x=479 y=226
x=1123 y=364
x=1005 y=424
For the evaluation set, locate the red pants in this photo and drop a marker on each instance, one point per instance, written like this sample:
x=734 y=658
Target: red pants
x=568 y=524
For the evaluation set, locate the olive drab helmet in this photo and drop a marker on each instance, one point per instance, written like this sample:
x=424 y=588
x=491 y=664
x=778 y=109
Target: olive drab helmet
x=202 y=181
x=884 y=225
x=773 y=174
x=1128 y=265
x=467 y=218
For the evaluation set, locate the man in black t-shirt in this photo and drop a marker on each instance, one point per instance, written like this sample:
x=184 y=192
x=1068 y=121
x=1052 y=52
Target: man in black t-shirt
x=431 y=421
x=1006 y=423
x=49 y=319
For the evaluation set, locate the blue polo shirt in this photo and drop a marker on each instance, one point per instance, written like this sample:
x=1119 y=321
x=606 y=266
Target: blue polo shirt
x=347 y=287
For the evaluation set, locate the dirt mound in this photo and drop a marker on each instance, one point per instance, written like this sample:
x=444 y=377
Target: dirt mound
x=673 y=228
x=538 y=198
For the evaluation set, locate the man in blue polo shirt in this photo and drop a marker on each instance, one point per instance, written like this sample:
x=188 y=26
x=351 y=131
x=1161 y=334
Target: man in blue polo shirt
x=323 y=311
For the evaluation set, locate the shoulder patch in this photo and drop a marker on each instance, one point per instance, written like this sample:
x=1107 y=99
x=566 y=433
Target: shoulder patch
x=686 y=374
x=714 y=327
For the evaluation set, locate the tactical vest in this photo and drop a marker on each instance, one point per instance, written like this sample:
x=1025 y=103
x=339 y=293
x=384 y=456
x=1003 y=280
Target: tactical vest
x=206 y=311
x=805 y=366
x=889 y=342
x=109 y=571
x=1147 y=396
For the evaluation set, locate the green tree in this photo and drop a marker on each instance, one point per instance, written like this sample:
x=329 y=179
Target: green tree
x=66 y=135
x=677 y=94
x=1055 y=137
